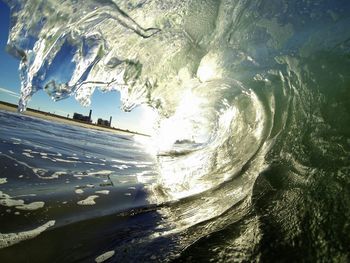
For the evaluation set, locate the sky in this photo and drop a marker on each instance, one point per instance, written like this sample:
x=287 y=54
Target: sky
x=103 y=105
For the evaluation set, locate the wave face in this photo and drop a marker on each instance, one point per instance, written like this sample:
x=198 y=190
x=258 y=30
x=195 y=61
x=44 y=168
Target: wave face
x=252 y=98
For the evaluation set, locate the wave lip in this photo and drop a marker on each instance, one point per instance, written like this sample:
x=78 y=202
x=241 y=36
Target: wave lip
x=236 y=87
x=210 y=126
x=213 y=134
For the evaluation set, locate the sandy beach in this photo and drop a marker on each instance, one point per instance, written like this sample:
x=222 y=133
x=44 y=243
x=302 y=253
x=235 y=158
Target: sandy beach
x=56 y=118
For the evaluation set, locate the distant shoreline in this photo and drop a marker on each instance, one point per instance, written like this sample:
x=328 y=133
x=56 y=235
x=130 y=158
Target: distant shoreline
x=53 y=117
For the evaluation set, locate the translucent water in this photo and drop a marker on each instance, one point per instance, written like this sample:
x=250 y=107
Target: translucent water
x=251 y=114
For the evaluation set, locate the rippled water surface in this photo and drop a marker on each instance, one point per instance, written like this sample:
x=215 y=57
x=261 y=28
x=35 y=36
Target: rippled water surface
x=71 y=183
x=249 y=154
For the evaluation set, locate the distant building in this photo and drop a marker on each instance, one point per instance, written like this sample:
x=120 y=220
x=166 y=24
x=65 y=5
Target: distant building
x=106 y=123
x=80 y=117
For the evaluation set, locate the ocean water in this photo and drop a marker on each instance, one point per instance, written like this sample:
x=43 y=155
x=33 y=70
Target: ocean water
x=72 y=181
x=248 y=159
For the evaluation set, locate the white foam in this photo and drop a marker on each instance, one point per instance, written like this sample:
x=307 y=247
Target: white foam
x=28 y=155
x=74 y=158
x=102 y=172
x=23 y=195
x=31 y=206
x=3 y=180
x=64 y=161
x=144 y=173
x=120 y=167
x=104 y=256
x=103 y=192
x=89 y=200
x=123 y=161
x=79 y=191
x=7 y=200
x=55 y=175
x=131 y=162
x=91 y=163
x=141 y=165
x=10 y=239
x=37 y=171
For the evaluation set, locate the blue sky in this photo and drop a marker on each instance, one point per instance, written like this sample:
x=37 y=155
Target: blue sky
x=103 y=105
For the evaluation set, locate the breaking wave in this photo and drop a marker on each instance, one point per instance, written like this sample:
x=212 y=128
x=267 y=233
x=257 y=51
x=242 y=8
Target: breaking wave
x=240 y=89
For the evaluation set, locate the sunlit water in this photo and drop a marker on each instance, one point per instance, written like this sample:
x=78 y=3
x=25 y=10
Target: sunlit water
x=249 y=107
x=75 y=180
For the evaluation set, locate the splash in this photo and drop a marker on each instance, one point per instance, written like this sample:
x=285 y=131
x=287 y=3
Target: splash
x=166 y=62
x=233 y=86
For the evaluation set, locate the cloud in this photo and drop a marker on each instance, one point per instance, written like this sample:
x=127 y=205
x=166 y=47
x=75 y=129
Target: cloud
x=10 y=93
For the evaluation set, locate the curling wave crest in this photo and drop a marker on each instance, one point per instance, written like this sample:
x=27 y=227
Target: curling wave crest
x=239 y=88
